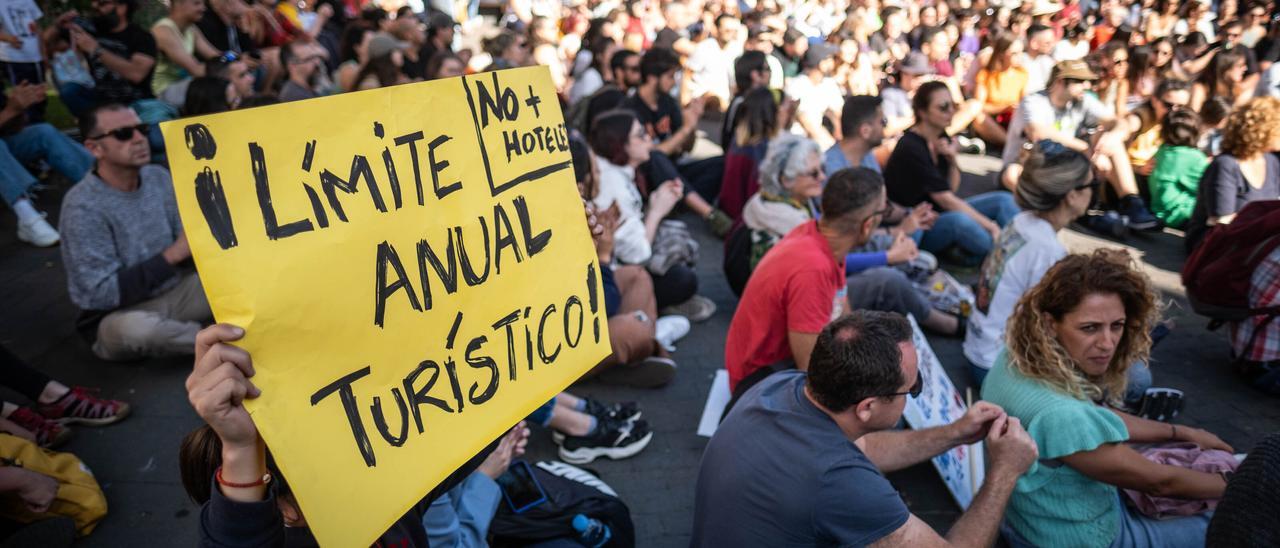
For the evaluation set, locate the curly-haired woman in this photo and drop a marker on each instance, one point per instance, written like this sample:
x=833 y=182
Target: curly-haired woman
x=1070 y=344
x=1246 y=171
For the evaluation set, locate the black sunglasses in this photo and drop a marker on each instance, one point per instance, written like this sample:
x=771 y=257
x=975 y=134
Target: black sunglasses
x=915 y=390
x=123 y=134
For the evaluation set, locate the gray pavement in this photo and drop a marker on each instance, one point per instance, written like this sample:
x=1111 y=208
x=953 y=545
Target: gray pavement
x=136 y=460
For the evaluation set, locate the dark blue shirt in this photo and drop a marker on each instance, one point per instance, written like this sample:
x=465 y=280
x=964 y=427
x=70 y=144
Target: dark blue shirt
x=780 y=472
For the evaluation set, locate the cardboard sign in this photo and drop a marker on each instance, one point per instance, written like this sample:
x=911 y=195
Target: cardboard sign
x=414 y=271
x=962 y=467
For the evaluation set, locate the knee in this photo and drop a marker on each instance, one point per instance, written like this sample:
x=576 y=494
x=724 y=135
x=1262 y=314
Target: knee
x=123 y=336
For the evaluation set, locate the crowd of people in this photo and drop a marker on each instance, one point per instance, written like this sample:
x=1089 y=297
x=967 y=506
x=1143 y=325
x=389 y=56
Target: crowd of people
x=823 y=140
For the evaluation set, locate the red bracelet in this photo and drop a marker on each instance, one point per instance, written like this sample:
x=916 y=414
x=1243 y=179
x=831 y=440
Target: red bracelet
x=265 y=479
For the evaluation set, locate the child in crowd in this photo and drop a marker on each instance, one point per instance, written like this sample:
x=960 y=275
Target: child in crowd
x=1179 y=165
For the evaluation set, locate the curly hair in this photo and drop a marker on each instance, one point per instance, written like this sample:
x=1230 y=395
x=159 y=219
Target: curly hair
x=1252 y=128
x=1036 y=353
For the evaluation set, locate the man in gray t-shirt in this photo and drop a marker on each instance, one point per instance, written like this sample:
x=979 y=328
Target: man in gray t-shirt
x=125 y=250
x=1065 y=114
x=800 y=460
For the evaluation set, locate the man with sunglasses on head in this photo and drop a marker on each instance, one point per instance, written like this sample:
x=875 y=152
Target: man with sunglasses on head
x=124 y=248
x=801 y=460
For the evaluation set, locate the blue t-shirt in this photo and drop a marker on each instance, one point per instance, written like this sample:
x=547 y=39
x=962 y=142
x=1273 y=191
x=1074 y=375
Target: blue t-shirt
x=834 y=160
x=780 y=472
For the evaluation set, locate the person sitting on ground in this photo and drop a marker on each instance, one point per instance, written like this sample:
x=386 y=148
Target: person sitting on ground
x=353 y=50
x=23 y=144
x=862 y=127
x=120 y=54
x=181 y=48
x=817 y=95
x=384 y=66
x=123 y=247
x=1246 y=171
x=621 y=145
x=1064 y=113
x=756 y=118
x=1056 y=188
x=791 y=178
x=801 y=460
x=1213 y=120
x=1071 y=340
x=586 y=429
x=445 y=64
x=923 y=169
x=460 y=518
x=56 y=405
x=800 y=285
x=1178 y=166
x=302 y=70
x=1145 y=121
x=209 y=95
x=999 y=87
x=228 y=450
x=638 y=338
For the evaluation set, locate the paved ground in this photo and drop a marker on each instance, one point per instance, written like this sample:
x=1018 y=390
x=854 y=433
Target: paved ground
x=136 y=461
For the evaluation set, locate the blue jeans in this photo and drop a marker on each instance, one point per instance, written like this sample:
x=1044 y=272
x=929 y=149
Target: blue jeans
x=954 y=228
x=36 y=142
x=1139 y=531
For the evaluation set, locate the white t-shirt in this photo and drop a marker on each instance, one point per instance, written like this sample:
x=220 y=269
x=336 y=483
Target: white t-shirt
x=1025 y=250
x=813 y=100
x=1038 y=71
x=1068 y=51
x=709 y=68
x=16 y=17
x=1071 y=119
x=617 y=184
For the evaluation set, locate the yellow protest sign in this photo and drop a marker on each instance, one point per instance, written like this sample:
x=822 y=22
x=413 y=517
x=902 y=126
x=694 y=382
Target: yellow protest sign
x=414 y=271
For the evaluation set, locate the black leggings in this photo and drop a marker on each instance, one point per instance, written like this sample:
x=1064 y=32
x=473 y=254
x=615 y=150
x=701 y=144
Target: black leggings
x=678 y=285
x=20 y=376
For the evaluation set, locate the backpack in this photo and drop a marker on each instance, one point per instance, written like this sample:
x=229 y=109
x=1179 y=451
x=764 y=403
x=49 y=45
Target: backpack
x=570 y=491
x=1218 y=272
x=79 y=496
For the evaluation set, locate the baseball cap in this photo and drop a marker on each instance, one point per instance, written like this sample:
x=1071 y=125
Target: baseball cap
x=915 y=63
x=818 y=53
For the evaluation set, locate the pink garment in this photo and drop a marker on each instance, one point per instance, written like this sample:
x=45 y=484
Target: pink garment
x=1185 y=455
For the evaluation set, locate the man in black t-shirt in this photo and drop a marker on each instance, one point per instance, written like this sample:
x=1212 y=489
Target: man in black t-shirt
x=121 y=56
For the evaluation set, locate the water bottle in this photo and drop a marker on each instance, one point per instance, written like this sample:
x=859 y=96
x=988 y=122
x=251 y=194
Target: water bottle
x=591 y=532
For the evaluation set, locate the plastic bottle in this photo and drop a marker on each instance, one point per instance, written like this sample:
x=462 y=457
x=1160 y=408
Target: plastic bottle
x=591 y=532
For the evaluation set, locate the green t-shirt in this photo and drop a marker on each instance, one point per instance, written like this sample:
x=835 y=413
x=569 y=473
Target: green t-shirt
x=1175 y=182
x=1053 y=505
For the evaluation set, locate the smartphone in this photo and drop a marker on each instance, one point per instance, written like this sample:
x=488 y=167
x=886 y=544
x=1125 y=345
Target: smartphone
x=520 y=488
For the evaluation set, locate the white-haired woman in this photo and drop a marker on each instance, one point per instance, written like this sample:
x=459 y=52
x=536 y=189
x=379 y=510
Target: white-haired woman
x=791 y=177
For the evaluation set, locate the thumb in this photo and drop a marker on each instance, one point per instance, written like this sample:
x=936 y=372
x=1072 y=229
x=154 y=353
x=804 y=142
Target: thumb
x=997 y=428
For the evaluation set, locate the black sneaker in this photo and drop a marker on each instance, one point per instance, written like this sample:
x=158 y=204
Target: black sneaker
x=1140 y=218
x=613 y=439
x=1107 y=224
x=1160 y=404
x=651 y=372
x=623 y=411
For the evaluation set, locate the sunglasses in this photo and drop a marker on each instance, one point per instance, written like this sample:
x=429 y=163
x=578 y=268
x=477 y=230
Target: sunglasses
x=914 y=391
x=124 y=133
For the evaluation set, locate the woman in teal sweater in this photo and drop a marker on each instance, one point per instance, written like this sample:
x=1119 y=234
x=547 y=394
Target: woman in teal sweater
x=1069 y=345
x=1179 y=165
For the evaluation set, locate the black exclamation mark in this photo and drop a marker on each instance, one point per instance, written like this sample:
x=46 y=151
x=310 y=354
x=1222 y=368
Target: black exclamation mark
x=593 y=301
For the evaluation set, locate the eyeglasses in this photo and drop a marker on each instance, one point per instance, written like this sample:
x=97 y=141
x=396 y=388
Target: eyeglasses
x=914 y=391
x=122 y=134
x=1091 y=185
x=888 y=208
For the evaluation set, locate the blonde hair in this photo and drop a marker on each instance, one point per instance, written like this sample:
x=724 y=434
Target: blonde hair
x=1034 y=350
x=1252 y=128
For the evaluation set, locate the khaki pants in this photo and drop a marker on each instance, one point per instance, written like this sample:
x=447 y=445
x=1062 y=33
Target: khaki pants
x=162 y=326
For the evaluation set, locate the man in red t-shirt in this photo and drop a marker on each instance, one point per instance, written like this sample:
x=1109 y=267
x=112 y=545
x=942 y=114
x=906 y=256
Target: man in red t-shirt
x=799 y=286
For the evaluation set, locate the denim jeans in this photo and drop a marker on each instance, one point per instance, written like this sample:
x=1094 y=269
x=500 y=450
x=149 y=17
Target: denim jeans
x=1139 y=531
x=36 y=142
x=954 y=228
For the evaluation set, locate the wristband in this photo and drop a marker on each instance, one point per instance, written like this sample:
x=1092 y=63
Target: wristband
x=265 y=479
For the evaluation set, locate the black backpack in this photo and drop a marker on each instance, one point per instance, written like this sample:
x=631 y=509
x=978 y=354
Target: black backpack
x=570 y=491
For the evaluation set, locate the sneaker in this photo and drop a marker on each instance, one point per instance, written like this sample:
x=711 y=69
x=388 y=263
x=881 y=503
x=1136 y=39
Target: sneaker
x=697 y=309
x=1107 y=224
x=972 y=145
x=1160 y=404
x=652 y=372
x=624 y=411
x=613 y=439
x=48 y=433
x=721 y=223
x=1140 y=218
x=669 y=329
x=79 y=406
x=38 y=232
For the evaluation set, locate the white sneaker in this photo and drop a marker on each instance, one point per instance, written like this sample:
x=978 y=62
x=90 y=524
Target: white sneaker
x=669 y=329
x=38 y=233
